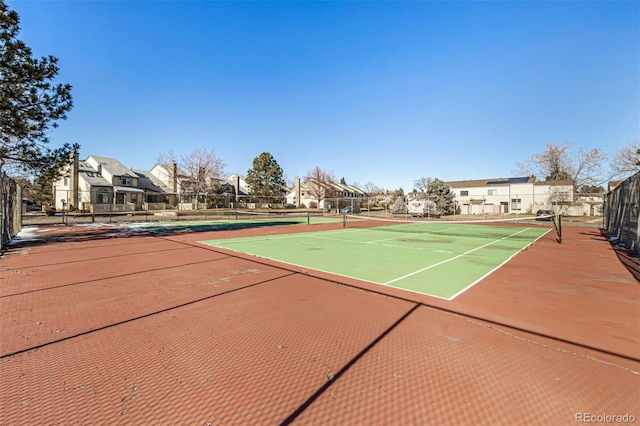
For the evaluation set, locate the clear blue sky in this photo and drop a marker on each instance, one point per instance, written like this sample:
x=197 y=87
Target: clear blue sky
x=381 y=92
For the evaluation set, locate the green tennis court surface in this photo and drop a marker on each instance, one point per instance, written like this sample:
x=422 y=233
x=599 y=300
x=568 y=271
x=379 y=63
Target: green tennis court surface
x=437 y=259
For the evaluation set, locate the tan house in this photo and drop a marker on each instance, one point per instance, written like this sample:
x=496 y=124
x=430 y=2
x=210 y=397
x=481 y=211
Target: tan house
x=98 y=184
x=325 y=195
x=104 y=184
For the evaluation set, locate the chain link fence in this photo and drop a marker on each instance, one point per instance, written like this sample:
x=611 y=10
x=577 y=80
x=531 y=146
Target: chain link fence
x=101 y=200
x=622 y=212
x=106 y=203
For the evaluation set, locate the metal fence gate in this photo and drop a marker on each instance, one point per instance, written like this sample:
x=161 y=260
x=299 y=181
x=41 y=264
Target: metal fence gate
x=622 y=212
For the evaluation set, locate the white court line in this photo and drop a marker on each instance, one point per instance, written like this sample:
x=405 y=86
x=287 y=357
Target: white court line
x=410 y=234
x=308 y=268
x=454 y=258
x=317 y=237
x=375 y=243
x=494 y=269
x=340 y=240
x=270 y=237
x=403 y=235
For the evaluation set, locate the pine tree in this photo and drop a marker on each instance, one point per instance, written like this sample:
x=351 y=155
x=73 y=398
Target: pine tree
x=30 y=104
x=441 y=194
x=266 y=178
x=399 y=206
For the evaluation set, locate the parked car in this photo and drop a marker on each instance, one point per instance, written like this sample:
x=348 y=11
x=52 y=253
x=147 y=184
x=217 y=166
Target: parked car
x=347 y=210
x=33 y=207
x=545 y=214
x=289 y=206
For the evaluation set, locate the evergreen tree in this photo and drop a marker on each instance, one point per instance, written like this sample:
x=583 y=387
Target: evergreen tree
x=266 y=178
x=30 y=104
x=399 y=206
x=441 y=194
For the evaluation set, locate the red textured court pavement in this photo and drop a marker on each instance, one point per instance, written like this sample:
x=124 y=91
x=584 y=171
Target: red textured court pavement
x=99 y=326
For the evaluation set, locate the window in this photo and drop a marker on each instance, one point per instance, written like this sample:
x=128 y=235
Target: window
x=126 y=180
x=516 y=204
x=102 y=196
x=492 y=192
x=66 y=181
x=464 y=193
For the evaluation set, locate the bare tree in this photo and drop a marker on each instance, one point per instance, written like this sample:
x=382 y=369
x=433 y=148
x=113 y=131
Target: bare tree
x=422 y=183
x=558 y=163
x=626 y=161
x=370 y=188
x=316 y=181
x=198 y=172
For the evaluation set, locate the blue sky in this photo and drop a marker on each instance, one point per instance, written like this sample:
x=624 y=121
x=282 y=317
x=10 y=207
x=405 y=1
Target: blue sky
x=381 y=92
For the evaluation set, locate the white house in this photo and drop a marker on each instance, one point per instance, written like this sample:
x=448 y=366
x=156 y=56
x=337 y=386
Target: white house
x=510 y=195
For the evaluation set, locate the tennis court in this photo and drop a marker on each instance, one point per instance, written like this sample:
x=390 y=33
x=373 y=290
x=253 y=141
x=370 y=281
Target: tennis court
x=141 y=323
x=235 y=221
x=440 y=259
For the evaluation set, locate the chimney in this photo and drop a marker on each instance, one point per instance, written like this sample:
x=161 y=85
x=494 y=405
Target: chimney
x=296 y=198
x=237 y=185
x=175 y=177
x=75 y=187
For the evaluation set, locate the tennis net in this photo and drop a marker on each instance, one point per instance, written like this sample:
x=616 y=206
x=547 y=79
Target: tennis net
x=488 y=228
x=279 y=216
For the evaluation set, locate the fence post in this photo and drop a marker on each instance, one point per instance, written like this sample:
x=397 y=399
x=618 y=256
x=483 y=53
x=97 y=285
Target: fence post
x=3 y=203
x=10 y=208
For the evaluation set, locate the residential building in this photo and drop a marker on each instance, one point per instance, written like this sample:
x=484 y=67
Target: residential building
x=104 y=184
x=515 y=195
x=100 y=184
x=332 y=195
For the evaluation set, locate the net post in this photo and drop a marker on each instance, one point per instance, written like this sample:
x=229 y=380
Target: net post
x=557 y=222
x=344 y=220
x=308 y=219
x=560 y=228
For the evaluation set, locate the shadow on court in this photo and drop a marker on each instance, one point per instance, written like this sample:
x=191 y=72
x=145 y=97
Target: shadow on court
x=161 y=329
